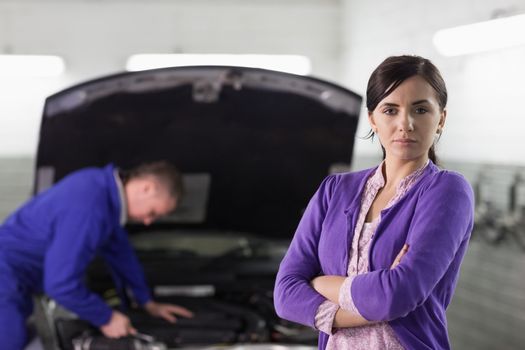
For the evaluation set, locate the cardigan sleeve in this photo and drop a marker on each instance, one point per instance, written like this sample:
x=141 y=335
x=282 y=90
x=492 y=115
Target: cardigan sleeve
x=325 y=317
x=441 y=223
x=294 y=298
x=120 y=256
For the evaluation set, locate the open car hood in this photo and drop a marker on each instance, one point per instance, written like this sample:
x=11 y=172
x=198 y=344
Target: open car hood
x=253 y=144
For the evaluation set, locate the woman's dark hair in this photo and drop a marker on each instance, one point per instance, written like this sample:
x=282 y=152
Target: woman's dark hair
x=395 y=70
x=164 y=171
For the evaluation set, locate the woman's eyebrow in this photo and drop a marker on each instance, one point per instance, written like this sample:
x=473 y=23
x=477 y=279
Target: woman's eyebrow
x=389 y=104
x=420 y=102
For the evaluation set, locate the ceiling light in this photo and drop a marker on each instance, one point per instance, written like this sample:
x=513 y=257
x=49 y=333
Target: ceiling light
x=285 y=63
x=483 y=36
x=31 y=66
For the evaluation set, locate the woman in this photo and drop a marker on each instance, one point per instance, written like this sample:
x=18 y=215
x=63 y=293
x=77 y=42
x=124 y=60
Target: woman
x=375 y=259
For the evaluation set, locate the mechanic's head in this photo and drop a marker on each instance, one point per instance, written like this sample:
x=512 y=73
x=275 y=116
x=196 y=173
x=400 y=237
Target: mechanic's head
x=152 y=190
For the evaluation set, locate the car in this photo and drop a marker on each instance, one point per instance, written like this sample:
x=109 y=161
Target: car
x=252 y=144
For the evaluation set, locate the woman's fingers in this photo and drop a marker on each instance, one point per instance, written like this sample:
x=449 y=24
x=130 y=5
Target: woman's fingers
x=399 y=256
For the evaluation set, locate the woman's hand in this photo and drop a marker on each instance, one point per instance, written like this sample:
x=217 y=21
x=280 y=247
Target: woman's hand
x=399 y=256
x=167 y=311
x=328 y=286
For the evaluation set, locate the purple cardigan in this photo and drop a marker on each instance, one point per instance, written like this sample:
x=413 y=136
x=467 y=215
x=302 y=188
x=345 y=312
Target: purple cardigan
x=434 y=217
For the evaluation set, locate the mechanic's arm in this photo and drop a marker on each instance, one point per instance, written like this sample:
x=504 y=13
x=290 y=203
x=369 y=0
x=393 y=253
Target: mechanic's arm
x=294 y=297
x=119 y=254
x=441 y=225
x=76 y=238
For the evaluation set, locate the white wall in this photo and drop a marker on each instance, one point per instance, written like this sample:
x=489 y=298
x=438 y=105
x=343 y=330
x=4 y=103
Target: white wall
x=485 y=119
x=96 y=37
x=345 y=39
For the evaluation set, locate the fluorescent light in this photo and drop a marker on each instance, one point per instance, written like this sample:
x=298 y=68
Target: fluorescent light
x=483 y=36
x=31 y=66
x=285 y=63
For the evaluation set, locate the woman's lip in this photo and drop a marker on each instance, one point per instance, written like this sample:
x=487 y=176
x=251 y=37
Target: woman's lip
x=405 y=141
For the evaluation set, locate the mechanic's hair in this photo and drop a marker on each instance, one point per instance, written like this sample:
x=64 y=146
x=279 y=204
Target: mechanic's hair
x=164 y=171
x=395 y=70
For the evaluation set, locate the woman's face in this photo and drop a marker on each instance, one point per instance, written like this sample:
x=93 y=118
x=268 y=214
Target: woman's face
x=408 y=120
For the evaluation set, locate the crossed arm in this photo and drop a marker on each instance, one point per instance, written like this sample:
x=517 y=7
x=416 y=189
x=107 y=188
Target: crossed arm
x=440 y=228
x=329 y=287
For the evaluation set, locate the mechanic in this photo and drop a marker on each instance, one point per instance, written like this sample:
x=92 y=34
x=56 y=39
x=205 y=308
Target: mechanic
x=47 y=244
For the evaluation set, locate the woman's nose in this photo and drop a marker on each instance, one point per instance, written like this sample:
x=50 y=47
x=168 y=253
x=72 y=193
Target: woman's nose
x=406 y=122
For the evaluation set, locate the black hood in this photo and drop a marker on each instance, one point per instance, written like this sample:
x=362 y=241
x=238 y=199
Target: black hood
x=253 y=144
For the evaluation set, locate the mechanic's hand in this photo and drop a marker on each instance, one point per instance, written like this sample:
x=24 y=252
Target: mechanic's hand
x=399 y=256
x=118 y=326
x=167 y=311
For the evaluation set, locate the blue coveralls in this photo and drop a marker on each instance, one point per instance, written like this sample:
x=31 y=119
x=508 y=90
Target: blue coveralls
x=47 y=244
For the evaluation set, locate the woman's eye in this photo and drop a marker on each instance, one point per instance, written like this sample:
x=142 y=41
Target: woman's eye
x=421 y=110
x=389 y=111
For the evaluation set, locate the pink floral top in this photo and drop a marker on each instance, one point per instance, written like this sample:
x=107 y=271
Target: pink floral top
x=378 y=335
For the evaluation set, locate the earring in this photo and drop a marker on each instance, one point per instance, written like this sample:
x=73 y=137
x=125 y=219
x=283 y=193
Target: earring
x=439 y=131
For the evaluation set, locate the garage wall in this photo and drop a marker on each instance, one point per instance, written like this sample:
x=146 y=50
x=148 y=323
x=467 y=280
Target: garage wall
x=485 y=122
x=16 y=180
x=345 y=39
x=96 y=37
